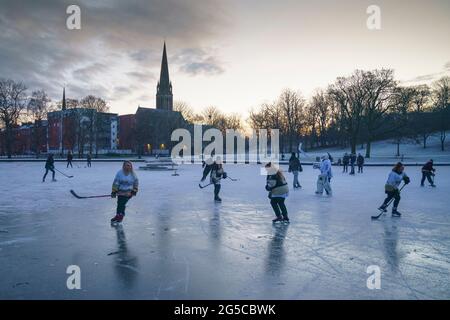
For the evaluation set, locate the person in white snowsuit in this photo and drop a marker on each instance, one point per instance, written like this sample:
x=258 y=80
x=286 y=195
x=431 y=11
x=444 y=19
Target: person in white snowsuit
x=324 y=178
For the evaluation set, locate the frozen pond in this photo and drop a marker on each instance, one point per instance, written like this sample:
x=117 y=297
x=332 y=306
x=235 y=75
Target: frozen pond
x=177 y=243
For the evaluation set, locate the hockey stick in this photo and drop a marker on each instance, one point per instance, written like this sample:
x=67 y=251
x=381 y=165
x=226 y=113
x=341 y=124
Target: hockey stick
x=64 y=174
x=232 y=178
x=201 y=187
x=388 y=204
x=100 y=196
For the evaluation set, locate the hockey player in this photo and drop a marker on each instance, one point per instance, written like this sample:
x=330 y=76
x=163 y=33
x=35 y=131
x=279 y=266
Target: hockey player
x=49 y=166
x=324 y=178
x=278 y=192
x=427 y=172
x=215 y=169
x=360 y=163
x=124 y=187
x=396 y=176
x=69 y=159
x=295 y=167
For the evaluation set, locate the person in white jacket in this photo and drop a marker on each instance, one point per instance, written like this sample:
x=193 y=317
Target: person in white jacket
x=391 y=188
x=324 y=178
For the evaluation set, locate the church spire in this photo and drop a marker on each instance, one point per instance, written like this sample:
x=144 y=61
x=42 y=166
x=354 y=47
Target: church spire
x=64 y=99
x=164 y=97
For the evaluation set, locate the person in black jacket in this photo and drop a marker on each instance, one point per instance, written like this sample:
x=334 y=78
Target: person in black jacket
x=352 y=163
x=345 y=162
x=360 y=163
x=69 y=159
x=89 y=159
x=49 y=166
x=295 y=167
x=428 y=172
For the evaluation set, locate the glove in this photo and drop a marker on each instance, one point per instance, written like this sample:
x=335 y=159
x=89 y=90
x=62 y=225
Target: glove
x=113 y=194
x=268 y=188
x=224 y=175
x=133 y=193
x=406 y=179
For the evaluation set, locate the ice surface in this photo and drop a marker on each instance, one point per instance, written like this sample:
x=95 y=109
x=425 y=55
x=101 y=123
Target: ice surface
x=176 y=243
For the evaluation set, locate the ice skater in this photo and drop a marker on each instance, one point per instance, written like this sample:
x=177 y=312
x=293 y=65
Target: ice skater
x=278 y=192
x=360 y=163
x=49 y=166
x=69 y=159
x=345 y=162
x=324 y=178
x=295 y=167
x=427 y=172
x=88 y=160
x=216 y=172
x=124 y=187
x=395 y=178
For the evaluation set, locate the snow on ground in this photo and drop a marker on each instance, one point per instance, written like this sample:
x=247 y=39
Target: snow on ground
x=176 y=243
x=386 y=150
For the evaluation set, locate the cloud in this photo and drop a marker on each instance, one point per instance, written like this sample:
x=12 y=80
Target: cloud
x=194 y=61
x=116 y=38
x=431 y=76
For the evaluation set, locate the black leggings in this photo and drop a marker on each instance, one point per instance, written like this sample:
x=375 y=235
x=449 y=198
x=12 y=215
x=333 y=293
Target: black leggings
x=216 y=190
x=121 y=202
x=426 y=175
x=69 y=162
x=46 y=172
x=279 y=207
x=392 y=194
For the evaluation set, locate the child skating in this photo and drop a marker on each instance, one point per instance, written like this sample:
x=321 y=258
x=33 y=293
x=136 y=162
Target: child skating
x=395 y=178
x=217 y=173
x=124 y=187
x=278 y=192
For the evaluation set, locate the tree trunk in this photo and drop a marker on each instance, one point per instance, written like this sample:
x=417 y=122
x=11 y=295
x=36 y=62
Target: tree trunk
x=368 y=148
x=398 y=148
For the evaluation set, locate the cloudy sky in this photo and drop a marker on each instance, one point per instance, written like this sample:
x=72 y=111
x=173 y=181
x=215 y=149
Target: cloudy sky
x=233 y=54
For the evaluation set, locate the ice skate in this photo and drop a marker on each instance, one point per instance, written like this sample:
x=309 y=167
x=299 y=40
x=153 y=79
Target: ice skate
x=278 y=219
x=117 y=219
x=395 y=213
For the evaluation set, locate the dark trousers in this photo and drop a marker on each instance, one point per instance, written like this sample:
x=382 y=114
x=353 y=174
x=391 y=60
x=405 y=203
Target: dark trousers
x=353 y=168
x=345 y=169
x=360 y=168
x=427 y=175
x=216 y=190
x=392 y=195
x=46 y=172
x=279 y=207
x=121 y=202
x=89 y=164
x=69 y=162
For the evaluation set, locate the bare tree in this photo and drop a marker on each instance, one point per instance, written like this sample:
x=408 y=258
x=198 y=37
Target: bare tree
x=424 y=123
x=187 y=112
x=12 y=105
x=441 y=92
x=92 y=128
x=349 y=95
x=402 y=101
x=378 y=86
x=38 y=107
